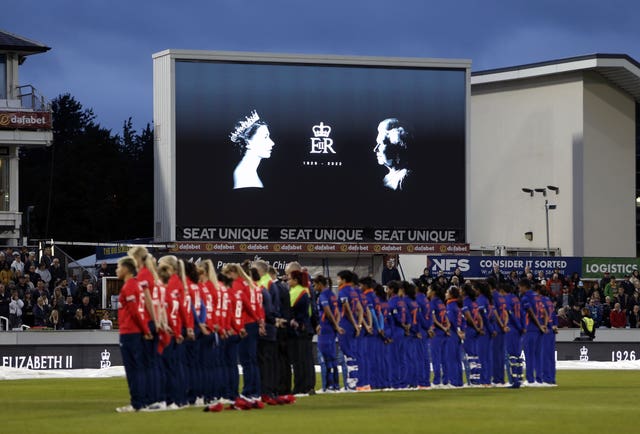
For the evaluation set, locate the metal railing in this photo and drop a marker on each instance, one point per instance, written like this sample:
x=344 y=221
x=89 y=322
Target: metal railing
x=30 y=98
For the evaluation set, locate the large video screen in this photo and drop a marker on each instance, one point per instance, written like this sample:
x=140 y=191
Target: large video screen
x=319 y=146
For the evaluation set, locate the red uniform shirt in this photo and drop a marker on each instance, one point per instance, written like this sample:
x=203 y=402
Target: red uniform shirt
x=187 y=310
x=254 y=295
x=157 y=298
x=145 y=278
x=222 y=307
x=174 y=302
x=131 y=312
x=240 y=306
x=207 y=299
x=196 y=300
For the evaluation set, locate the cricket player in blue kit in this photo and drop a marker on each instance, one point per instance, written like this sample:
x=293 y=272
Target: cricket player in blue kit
x=484 y=340
x=327 y=331
x=441 y=334
x=426 y=323
x=373 y=341
x=351 y=309
x=549 y=341
x=453 y=349
x=513 y=337
x=364 y=360
x=531 y=305
x=501 y=325
x=475 y=328
x=384 y=320
x=399 y=331
x=414 y=347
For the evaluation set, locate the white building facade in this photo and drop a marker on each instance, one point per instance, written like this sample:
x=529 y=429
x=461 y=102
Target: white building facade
x=569 y=124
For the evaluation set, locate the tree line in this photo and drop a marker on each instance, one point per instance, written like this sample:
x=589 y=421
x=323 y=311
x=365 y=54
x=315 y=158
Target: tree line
x=91 y=184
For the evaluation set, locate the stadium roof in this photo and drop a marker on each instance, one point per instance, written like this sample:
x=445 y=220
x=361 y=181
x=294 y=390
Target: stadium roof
x=20 y=44
x=620 y=69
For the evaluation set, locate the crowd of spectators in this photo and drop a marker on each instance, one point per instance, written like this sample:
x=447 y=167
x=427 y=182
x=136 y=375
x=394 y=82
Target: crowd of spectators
x=611 y=302
x=39 y=294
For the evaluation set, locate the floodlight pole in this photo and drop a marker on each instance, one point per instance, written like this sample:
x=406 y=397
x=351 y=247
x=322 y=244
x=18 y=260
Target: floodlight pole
x=546 y=211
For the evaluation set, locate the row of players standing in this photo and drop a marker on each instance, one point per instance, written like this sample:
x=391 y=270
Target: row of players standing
x=184 y=328
x=391 y=338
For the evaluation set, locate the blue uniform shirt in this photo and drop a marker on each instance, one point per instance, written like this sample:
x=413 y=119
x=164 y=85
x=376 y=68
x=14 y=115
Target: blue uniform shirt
x=327 y=298
x=471 y=306
x=398 y=314
x=347 y=295
x=439 y=312
x=425 y=311
x=486 y=311
x=413 y=318
x=551 y=312
x=373 y=304
x=500 y=304
x=515 y=312
x=454 y=314
x=528 y=301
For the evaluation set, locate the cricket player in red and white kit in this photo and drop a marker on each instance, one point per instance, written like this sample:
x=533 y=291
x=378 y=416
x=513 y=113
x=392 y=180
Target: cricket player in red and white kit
x=254 y=324
x=240 y=311
x=147 y=278
x=134 y=331
x=173 y=356
x=208 y=341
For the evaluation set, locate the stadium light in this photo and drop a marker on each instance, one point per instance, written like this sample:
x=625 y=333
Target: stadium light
x=542 y=190
x=547 y=207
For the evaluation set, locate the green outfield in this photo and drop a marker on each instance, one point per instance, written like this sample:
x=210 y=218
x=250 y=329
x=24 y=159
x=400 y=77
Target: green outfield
x=584 y=402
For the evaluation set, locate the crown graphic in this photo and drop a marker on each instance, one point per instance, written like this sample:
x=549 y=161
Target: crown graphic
x=321 y=130
x=583 y=351
x=105 y=355
x=243 y=125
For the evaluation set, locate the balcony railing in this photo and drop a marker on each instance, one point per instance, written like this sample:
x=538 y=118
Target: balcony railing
x=30 y=98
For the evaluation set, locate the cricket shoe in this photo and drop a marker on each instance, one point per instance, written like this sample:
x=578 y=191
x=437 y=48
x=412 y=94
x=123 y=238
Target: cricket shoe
x=240 y=404
x=269 y=400
x=126 y=409
x=156 y=406
x=215 y=408
x=287 y=399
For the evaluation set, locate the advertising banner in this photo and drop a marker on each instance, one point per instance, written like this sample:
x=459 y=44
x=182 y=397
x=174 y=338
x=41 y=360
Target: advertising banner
x=319 y=235
x=322 y=248
x=594 y=268
x=23 y=120
x=598 y=351
x=39 y=357
x=482 y=266
x=277 y=260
